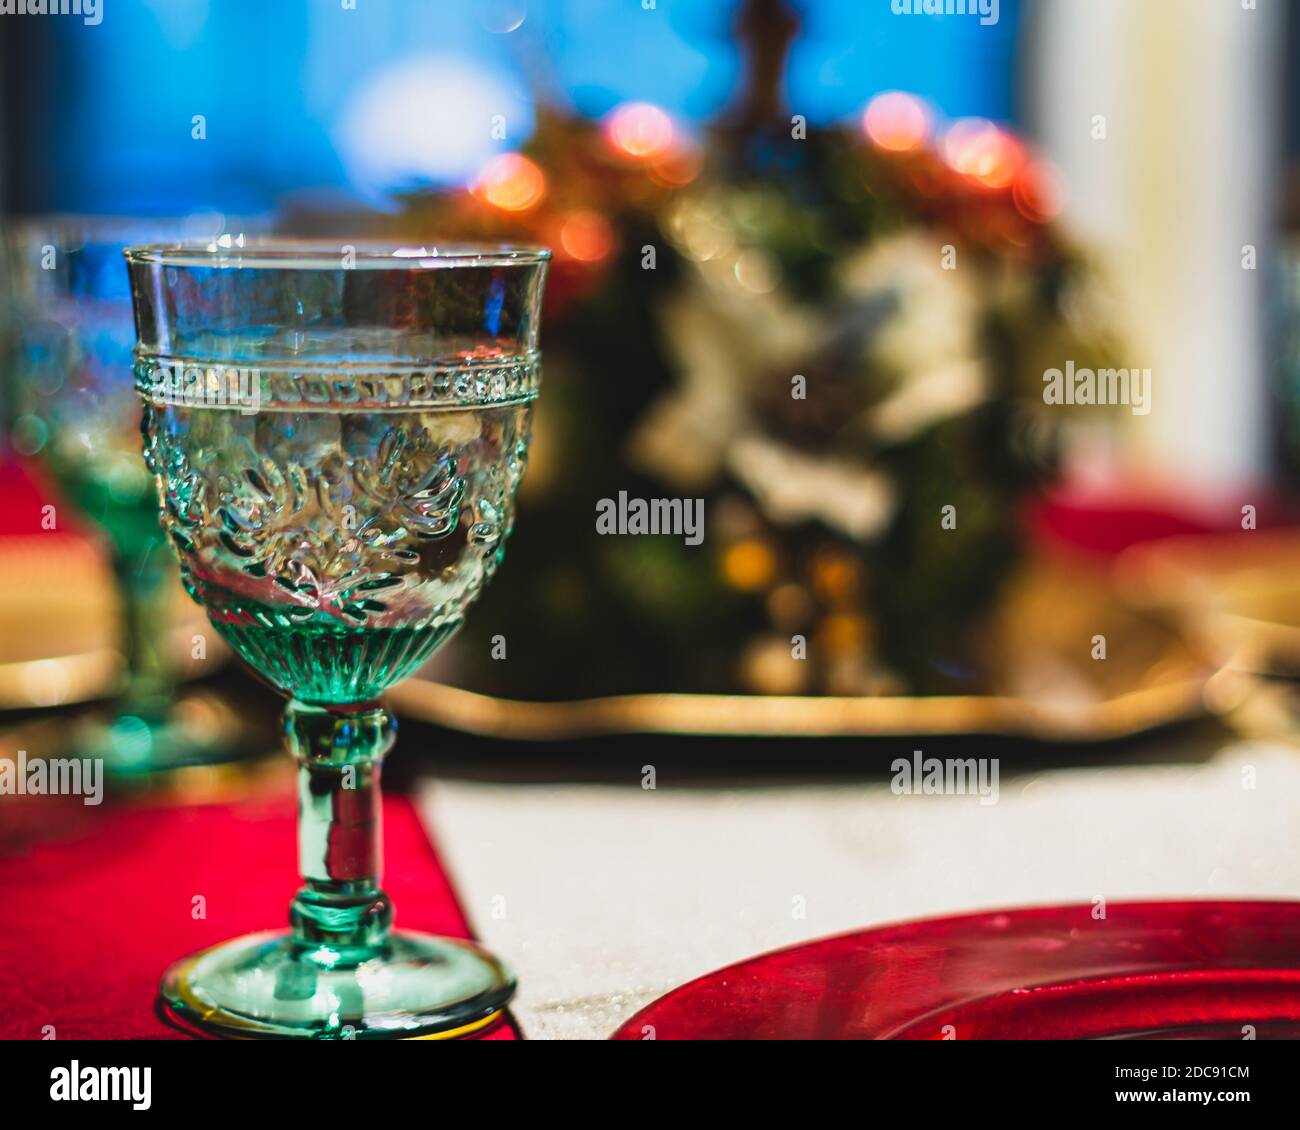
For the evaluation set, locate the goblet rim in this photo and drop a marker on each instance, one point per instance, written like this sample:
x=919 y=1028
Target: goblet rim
x=290 y=253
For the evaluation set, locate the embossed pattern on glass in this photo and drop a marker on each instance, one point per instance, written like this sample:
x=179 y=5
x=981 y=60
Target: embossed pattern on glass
x=335 y=550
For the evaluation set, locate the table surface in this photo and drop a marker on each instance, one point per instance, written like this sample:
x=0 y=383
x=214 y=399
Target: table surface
x=604 y=897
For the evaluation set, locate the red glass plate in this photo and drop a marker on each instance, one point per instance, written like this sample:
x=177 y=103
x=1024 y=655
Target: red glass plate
x=1153 y=970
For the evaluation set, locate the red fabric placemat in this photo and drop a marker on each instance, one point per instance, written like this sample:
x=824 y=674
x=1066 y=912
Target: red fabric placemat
x=24 y=491
x=95 y=902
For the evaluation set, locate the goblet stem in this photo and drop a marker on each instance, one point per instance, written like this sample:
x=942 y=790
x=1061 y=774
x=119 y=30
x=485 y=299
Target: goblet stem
x=148 y=682
x=341 y=912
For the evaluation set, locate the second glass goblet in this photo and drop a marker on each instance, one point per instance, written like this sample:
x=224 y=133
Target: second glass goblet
x=79 y=414
x=337 y=436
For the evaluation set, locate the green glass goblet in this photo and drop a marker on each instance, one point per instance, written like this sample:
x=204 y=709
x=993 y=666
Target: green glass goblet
x=337 y=435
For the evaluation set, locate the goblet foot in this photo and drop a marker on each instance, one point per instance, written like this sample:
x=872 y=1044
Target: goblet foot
x=272 y=985
x=200 y=730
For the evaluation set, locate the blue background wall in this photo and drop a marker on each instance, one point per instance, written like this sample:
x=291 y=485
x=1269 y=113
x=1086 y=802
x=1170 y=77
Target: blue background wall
x=308 y=95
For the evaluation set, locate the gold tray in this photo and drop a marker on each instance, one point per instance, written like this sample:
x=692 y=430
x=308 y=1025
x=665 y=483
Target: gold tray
x=58 y=646
x=1044 y=685
x=1237 y=598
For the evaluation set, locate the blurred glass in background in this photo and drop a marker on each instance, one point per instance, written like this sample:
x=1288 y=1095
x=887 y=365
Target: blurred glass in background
x=77 y=414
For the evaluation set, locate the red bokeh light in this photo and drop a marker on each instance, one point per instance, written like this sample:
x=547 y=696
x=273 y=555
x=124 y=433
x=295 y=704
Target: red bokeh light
x=586 y=236
x=897 y=122
x=978 y=149
x=640 y=130
x=1039 y=191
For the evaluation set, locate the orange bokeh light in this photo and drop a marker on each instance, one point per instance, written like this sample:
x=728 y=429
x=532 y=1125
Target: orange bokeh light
x=586 y=236
x=678 y=168
x=639 y=130
x=897 y=122
x=978 y=149
x=511 y=182
x=1039 y=192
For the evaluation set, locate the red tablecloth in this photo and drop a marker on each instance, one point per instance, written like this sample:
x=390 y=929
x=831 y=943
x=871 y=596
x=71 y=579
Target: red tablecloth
x=96 y=901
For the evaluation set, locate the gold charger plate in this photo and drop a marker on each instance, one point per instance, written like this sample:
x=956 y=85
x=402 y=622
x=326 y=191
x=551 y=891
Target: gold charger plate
x=1237 y=597
x=58 y=645
x=1037 y=652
